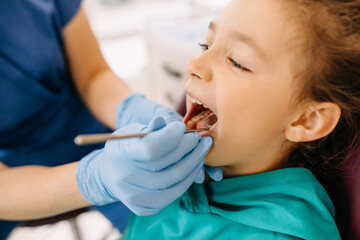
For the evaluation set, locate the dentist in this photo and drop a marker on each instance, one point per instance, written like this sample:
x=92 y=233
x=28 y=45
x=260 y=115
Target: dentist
x=54 y=85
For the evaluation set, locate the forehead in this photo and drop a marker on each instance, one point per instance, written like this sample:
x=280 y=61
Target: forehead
x=271 y=24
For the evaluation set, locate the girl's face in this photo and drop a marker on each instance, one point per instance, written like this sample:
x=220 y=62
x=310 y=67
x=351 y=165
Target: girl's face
x=244 y=76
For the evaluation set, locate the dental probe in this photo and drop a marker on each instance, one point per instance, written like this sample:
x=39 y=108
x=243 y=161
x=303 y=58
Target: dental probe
x=86 y=139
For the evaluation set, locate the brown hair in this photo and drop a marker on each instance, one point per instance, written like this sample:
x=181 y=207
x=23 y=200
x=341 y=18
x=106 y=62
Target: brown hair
x=332 y=74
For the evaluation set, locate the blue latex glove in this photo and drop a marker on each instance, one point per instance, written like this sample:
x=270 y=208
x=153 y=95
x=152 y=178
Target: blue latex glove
x=215 y=173
x=146 y=173
x=139 y=109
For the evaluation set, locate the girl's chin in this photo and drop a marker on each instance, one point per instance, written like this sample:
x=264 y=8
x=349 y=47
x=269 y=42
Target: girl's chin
x=211 y=161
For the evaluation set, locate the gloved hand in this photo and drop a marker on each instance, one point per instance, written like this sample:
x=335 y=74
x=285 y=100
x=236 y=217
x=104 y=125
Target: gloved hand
x=215 y=173
x=139 y=109
x=146 y=173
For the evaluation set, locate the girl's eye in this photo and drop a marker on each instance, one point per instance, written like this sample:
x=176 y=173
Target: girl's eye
x=204 y=46
x=237 y=65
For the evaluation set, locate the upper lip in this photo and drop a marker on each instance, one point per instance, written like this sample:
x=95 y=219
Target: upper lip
x=198 y=99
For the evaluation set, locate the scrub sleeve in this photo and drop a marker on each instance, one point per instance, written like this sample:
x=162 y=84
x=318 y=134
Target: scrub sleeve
x=40 y=110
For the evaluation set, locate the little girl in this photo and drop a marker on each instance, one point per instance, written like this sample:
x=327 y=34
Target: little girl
x=282 y=78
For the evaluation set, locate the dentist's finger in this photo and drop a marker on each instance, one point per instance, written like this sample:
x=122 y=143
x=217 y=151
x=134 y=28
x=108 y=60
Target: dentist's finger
x=187 y=144
x=173 y=174
x=155 y=144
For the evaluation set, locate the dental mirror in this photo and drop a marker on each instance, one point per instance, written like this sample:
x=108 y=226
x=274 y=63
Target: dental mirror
x=86 y=139
x=210 y=120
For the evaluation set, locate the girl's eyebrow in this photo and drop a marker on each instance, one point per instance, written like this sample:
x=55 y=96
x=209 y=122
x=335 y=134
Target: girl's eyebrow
x=212 y=26
x=238 y=36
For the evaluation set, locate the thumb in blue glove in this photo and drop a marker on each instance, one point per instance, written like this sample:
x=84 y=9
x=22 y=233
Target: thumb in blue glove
x=146 y=173
x=214 y=173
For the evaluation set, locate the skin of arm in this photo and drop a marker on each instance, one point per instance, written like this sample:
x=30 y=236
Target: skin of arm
x=33 y=192
x=101 y=90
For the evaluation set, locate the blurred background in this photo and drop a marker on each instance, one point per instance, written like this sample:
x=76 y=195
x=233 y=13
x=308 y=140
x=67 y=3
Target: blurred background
x=147 y=43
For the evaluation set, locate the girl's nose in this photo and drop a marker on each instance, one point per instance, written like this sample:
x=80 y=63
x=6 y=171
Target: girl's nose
x=199 y=68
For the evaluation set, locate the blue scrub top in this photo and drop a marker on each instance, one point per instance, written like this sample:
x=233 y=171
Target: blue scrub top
x=40 y=110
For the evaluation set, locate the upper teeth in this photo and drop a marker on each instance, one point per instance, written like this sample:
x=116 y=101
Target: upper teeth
x=193 y=100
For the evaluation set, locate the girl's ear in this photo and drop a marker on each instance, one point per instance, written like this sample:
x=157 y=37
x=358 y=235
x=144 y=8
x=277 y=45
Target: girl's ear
x=311 y=125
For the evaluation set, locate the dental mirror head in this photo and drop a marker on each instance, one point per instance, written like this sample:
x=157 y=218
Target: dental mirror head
x=210 y=120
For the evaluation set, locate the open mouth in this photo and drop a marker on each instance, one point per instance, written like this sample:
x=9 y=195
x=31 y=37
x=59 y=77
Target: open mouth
x=200 y=116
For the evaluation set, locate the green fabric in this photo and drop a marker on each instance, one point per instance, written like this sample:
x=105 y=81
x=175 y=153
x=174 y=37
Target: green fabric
x=283 y=204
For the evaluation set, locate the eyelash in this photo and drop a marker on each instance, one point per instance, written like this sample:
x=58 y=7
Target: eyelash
x=237 y=65
x=206 y=47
